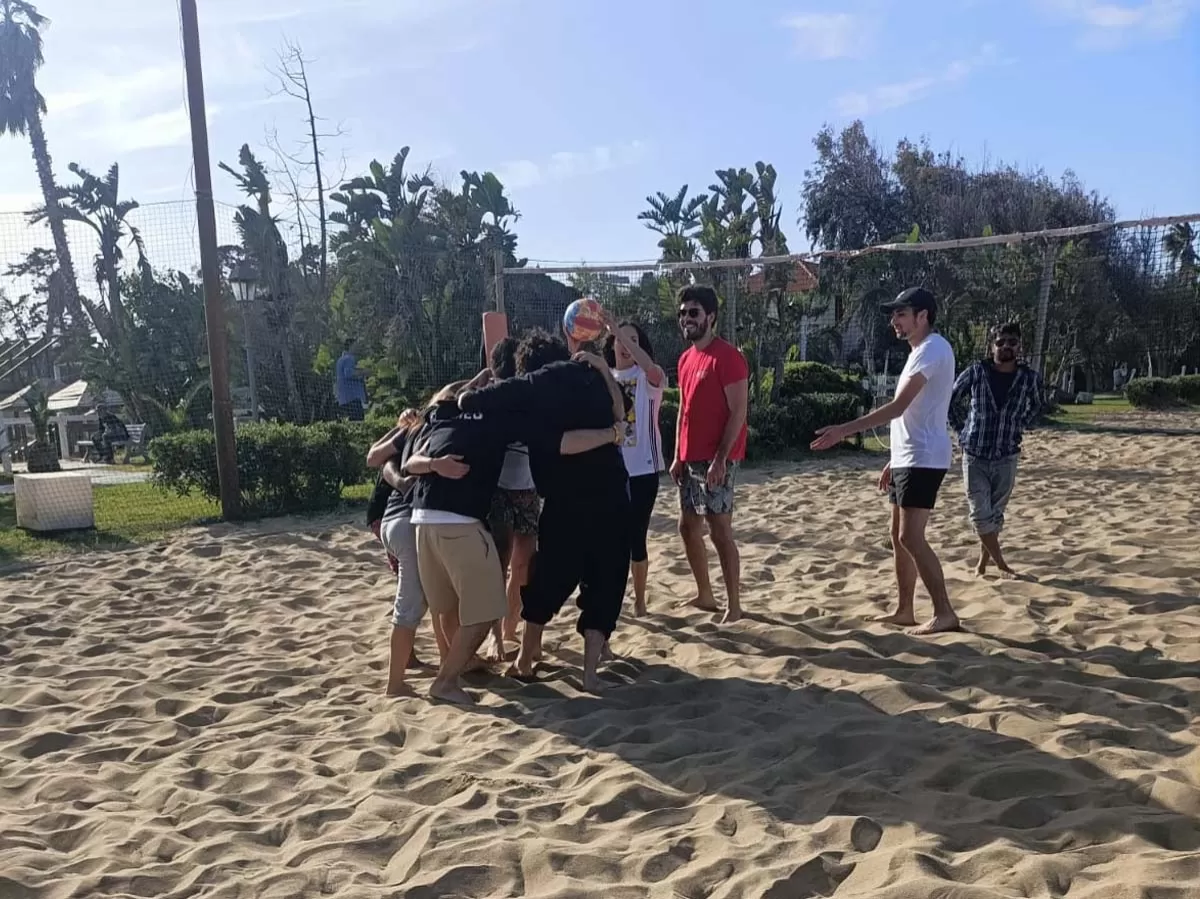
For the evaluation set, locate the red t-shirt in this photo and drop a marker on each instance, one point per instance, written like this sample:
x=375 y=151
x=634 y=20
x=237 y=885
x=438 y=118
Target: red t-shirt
x=703 y=410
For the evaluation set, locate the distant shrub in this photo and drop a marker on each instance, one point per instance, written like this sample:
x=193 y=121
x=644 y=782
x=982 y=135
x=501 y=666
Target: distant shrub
x=1163 y=393
x=800 y=378
x=281 y=467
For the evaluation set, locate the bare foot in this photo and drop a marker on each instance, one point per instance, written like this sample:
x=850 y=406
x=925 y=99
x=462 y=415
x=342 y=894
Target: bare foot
x=704 y=605
x=521 y=669
x=477 y=664
x=494 y=651
x=1008 y=574
x=639 y=608
x=731 y=615
x=592 y=682
x=901 y=619
x=400 y=690
x=980 y=569
x=939 y=624
x=450 y=693
x=415 y=664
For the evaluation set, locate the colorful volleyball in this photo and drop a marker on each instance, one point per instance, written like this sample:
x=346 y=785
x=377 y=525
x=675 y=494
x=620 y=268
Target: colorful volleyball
x=582 y=320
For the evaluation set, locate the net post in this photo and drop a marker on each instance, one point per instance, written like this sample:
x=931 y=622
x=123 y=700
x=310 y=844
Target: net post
x=214 y=309
x=1049 y=257
x=498 y=278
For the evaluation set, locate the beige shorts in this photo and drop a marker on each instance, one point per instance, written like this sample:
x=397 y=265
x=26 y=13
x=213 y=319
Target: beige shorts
x=460 y=571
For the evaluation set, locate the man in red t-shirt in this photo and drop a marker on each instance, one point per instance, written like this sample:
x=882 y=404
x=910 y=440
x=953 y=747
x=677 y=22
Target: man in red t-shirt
x=710 y=441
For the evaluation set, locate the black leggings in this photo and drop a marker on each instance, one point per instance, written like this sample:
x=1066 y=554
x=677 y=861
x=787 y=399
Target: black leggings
x=643 y=491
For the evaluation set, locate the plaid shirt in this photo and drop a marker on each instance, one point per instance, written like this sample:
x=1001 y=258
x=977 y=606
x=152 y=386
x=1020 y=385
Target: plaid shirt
x=985 y=431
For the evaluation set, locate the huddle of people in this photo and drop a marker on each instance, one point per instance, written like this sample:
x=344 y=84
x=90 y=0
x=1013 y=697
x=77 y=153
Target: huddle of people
x=538 y=477
x=546 y=465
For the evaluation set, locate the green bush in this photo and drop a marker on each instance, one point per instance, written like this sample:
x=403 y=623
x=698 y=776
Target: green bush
x=801 y=378
x=1188 y=387
x=281 y=467
x=791 y=424
x=1163 y=393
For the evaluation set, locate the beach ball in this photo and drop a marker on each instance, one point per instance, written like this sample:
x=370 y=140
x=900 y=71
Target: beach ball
x=582 y=320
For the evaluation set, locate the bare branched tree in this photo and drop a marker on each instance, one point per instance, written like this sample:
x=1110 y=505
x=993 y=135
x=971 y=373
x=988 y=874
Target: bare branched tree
x=292 y=77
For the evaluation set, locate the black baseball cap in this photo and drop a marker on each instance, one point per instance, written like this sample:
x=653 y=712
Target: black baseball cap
x=915 y=298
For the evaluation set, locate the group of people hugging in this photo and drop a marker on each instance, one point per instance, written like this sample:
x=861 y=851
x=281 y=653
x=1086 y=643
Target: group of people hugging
x=511 y=491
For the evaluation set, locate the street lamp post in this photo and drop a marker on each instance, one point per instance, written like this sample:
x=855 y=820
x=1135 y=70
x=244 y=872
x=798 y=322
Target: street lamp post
x=244 y=281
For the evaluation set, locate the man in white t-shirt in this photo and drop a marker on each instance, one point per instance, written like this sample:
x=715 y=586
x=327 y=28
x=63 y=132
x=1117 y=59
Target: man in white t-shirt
x=920 y=445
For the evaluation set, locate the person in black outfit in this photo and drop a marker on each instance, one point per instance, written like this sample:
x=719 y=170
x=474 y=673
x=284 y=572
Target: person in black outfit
x=112 y=430
x=458 y=458
x=583 y=530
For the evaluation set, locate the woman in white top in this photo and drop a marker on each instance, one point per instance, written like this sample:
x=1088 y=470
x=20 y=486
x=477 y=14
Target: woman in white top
x=630 y=355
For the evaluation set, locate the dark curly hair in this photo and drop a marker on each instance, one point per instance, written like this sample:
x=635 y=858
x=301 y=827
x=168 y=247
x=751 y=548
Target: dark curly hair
x=503 y=358
x=538 y=349
x=643 y=339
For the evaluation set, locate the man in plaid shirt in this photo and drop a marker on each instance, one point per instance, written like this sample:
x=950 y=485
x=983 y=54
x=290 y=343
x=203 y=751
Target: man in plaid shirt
x=994 y=402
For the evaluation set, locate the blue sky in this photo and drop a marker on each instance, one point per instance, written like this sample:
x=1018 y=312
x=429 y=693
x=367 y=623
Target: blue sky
x=583 y=107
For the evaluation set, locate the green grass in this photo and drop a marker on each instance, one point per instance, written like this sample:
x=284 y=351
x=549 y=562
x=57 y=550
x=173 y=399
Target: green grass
x=127 y=515
x=1104 y=404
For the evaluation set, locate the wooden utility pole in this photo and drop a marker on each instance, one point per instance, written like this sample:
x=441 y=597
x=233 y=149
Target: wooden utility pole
x=214 y=306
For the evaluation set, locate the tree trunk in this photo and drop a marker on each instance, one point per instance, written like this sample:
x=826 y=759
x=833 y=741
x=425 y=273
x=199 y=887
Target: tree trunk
x=62 y=250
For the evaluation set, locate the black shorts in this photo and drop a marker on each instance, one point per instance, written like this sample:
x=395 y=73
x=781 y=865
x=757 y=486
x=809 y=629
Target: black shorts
x=582 y=543
x=915 y=488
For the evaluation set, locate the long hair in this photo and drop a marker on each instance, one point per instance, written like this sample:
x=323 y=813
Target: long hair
x=643 y=339
x=503 y=358
x=445 y=395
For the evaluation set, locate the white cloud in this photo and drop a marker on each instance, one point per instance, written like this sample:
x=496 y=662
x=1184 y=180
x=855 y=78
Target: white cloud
x=567 y=165
x=831 y=35
x=856 y=104
x=1110 y=25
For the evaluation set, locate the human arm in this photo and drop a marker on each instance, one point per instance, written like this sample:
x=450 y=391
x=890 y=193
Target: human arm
x=832 y=435
x=583 y=441
x=676 y=469
x=452 y=467
x=960 y=399
x=1033 y=403
x=734 y=375
x=514 y=395
x=384 y=448
x=655 y=376
x=394 y=476
x=610 y=383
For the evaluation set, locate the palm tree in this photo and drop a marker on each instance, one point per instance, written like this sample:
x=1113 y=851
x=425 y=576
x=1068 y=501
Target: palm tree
x=1180 y=244
x=96 y=202
x=21 y=109
x=677 y=219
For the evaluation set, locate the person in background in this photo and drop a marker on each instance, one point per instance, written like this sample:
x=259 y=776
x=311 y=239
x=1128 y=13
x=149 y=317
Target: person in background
x=920 y=455
x=515 y=510
x=349 y=386
x=630 y=355
x=714 y=397
x=994 y=402
x=112 y=430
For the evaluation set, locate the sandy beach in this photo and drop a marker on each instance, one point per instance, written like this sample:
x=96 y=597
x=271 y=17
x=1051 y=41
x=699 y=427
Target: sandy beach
x=204 y=717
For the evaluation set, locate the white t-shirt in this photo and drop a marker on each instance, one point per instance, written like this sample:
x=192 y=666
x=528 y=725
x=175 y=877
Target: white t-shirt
x=515 y=475
x=920 y=437
x=642 y=446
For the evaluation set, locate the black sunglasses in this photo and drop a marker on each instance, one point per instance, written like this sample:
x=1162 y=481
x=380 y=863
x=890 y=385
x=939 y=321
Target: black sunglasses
x=1007 y=341
x=691 y=312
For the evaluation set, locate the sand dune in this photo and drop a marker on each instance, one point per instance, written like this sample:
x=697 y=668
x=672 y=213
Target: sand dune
x=204 y=718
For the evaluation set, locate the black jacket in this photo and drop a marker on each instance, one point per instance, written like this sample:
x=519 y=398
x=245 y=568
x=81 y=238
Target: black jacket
x=482 y=440
x=563 y=396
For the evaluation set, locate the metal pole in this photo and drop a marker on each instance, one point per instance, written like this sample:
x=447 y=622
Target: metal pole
x=251 y=376
x=214 y=307
x=498 y=270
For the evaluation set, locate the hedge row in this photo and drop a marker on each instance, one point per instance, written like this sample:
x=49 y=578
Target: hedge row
x=1161 y=393
x=281 y=467
x=786 y=424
